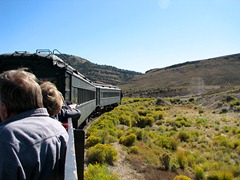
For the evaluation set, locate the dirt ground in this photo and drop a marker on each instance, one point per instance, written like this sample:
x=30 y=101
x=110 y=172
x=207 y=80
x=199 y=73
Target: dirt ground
x=127 y=171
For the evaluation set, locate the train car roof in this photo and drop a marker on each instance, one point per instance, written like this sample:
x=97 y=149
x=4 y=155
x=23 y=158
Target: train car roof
x=55 y=60
x=21 y=54
x=106 y=86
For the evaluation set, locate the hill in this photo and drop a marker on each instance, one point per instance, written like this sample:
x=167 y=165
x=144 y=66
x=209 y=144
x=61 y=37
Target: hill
x=99 y=73
x=186 y=79
x=189 y=78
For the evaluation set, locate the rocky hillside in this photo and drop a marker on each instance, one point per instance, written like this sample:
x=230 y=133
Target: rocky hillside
x=99 y=73
x=189 y=78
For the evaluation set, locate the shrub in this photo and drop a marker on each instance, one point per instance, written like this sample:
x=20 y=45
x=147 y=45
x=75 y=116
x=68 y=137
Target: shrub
x=96 y=172
x=166 y=142
x=223 y=111
x=128 y=140
x=158 y=115
x=120 y=133
x=182 y=121
x=142 y=113
x=221 y=140
x=181 y=159
x=144 y=121
x=202 y=122
x=92 y=141
x=140 y=134
x=159 y=108
x=101 y=153
x=182 y=177
x=107 y=135
x=183 y=136
x=191 y=99
x=125 y=119
x=199 y=173
x=165 y=161
x=175 y=101
x=220 y=176
x=134 y=150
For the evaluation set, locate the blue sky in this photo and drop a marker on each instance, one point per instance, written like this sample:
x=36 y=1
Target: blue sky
x=129 y=34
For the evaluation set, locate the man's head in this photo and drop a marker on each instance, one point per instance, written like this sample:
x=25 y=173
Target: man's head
x=19 y=92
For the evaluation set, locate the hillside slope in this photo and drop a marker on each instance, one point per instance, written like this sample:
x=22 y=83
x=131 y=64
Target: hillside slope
x=190 y=78
x=99 y=73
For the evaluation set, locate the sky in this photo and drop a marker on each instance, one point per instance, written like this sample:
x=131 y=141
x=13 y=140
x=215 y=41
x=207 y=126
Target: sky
x=136 y=35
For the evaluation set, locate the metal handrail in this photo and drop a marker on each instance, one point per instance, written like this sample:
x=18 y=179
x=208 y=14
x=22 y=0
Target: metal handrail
x=70 y=164
x=74 y=165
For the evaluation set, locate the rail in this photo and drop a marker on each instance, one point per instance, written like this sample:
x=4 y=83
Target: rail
x=74 y=166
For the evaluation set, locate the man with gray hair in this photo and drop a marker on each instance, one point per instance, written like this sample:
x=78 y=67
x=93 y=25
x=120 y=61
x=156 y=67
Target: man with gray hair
x=32 y=145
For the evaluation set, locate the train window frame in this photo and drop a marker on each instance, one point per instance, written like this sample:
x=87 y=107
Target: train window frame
x=81 y=90
x=109 y=94
x=67 y=87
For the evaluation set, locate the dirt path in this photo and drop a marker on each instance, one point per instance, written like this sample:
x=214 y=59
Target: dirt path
x=123 y=168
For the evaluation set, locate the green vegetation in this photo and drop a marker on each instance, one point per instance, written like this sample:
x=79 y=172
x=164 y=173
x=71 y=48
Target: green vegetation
x=173 y=138
x=99 y=172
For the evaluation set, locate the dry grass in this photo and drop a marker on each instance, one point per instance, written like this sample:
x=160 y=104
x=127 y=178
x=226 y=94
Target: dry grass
x=190 y=132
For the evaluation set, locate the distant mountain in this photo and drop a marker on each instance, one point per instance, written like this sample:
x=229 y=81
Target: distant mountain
x=189 y=78
x=99 y=73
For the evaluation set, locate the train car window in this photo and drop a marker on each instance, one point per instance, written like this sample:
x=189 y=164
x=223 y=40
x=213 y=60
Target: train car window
x=98 y=96
x=85 y=95
x=67 y=87
x=110 y=94
x=75 y=96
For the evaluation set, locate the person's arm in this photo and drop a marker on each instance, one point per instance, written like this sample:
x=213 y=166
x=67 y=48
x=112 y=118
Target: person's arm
x=68 y=112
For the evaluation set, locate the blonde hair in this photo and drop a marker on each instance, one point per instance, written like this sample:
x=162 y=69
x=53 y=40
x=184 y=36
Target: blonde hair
x=52 y=98
x=20 y=91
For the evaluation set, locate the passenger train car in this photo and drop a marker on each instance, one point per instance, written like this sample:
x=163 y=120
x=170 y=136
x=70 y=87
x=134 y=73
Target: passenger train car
x=89 y=97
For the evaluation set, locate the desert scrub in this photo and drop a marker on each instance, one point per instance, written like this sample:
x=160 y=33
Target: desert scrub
x=128 y=140
x=210 y=149
x=144 y=121
x=107 y=136
x=199 y=173
x=99 y=172
x=103 y=123
x=120 y=133
x=183 y=136
x=182 y=177
x=221 y=141
x=175 y=101
x=181 y=159
x=134 y=150
x=142 y=112
x=182 y=121
x=158 y=115
x=200 y=121
x=125 y=119
x=165 y=160
x=92 y=141
x=166 y=142
x=101 y=154
x=222 y=175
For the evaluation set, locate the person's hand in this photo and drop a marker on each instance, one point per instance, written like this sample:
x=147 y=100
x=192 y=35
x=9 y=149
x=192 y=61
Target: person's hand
x=72 y=105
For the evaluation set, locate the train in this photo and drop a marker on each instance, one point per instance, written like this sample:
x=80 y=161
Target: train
x=90 y=97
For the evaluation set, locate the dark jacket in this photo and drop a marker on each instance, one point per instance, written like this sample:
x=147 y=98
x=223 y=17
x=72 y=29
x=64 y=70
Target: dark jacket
x=32 y=146
x=68 y=112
